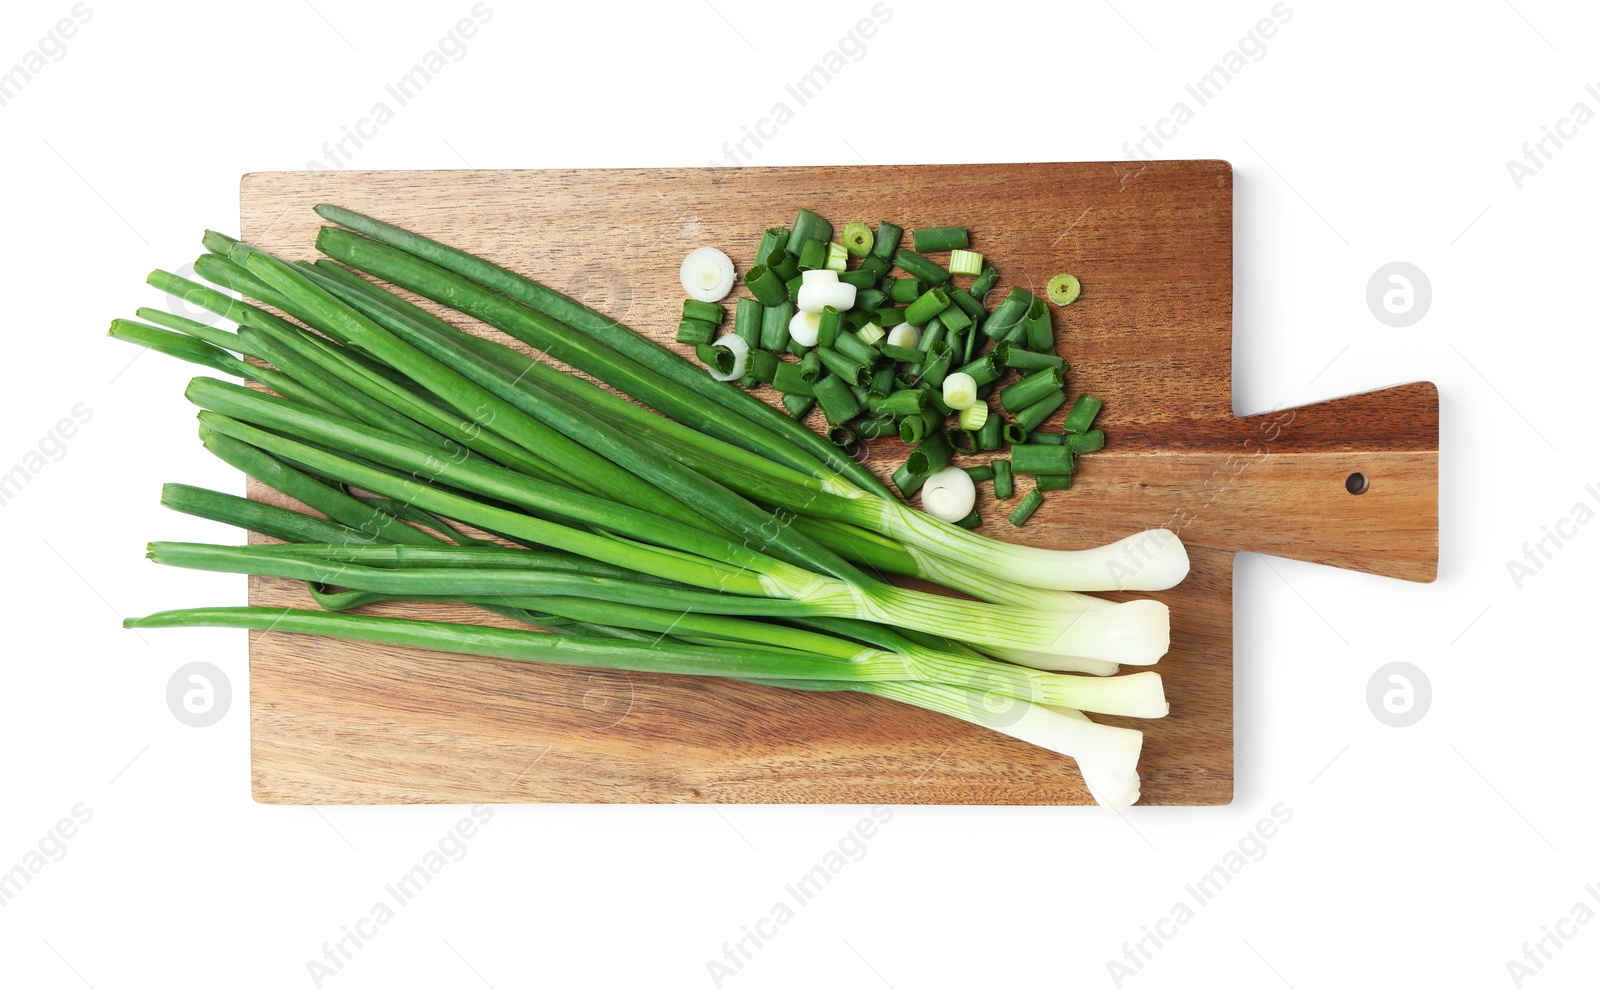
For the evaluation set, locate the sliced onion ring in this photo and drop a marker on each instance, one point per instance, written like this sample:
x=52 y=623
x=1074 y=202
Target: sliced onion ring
x=949 y=495
x=706 y=274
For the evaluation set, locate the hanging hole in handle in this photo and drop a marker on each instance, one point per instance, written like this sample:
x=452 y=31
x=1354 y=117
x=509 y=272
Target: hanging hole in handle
x=1356 y=483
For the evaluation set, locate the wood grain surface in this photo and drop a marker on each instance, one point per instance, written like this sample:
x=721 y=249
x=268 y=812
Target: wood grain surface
x=338 y=722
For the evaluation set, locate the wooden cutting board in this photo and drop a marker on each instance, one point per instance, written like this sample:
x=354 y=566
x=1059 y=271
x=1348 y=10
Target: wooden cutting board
x=344 y=723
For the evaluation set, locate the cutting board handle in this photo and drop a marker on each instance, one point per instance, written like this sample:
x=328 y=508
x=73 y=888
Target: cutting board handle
x=1352 y=482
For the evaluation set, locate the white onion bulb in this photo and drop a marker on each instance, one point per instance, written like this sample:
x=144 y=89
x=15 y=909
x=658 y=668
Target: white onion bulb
x=949 y=495
x=803 y=328
x=815 y=295
x=904 y=335
x=706 y=274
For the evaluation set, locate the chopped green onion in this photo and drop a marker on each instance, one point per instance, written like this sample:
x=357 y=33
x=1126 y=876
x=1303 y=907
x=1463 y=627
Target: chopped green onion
x=931 y=455
x=810 y=367
x=789 y=378
x=1063 y=289
x=1084 y=409
x=1034 y=458
x=1026 y=360
x=989 y=432
x=905 y=290
x=870 y=299
x=1029 y=418
x=1083 y=443
x=772 y=244
x=890 y=316
x=965 y=262
x=838 y=403
x=982 y=369
x=968 y=303
x=860 y=278
x=887 y=241
x=895 y=352
x=696 y=332
x=841 y=435
x=836 y=258
x=907 y=481
x=765 y=285
x=786 y=265
x=857 y=238
x=937 y=367
x=917 y=266
x=1048 y=439
x=1002 y=478
x=813 y=255
x=870 y=334
x=926 y=307
x=939 y=238
x=1009 y=313
x=853 y=347
x=962 y=439
x=775 y=325
x=905 y=402
x=828 y=326
x=747 y=320
x=873 y=427
x=710 y=312
x=1041 y=335
x=1025 y=510
x=852 y=371
x=1014 y=433
x=955 y=318
x=798 y=405
x=984 y=282
x=762 y=365
x=808 y=226
x=970 y=521
x=1052 y=482
x=981 y=472
x=882 y=380
x=1026 y=391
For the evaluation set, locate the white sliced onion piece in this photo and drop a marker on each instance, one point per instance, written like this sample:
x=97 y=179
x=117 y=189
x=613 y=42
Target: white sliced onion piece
x=960 y=390
x=706 y=274
x=904 y=335
x=819 y=276
x=815 y=295
x=741 y=351
x=949 y=495
x=803 y=328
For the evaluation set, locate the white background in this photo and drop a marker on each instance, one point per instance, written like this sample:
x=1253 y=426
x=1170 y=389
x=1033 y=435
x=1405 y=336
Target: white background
x=1367 y=133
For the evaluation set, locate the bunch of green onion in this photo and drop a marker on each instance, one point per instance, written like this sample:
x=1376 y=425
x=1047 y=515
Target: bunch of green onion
x=694 y=531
